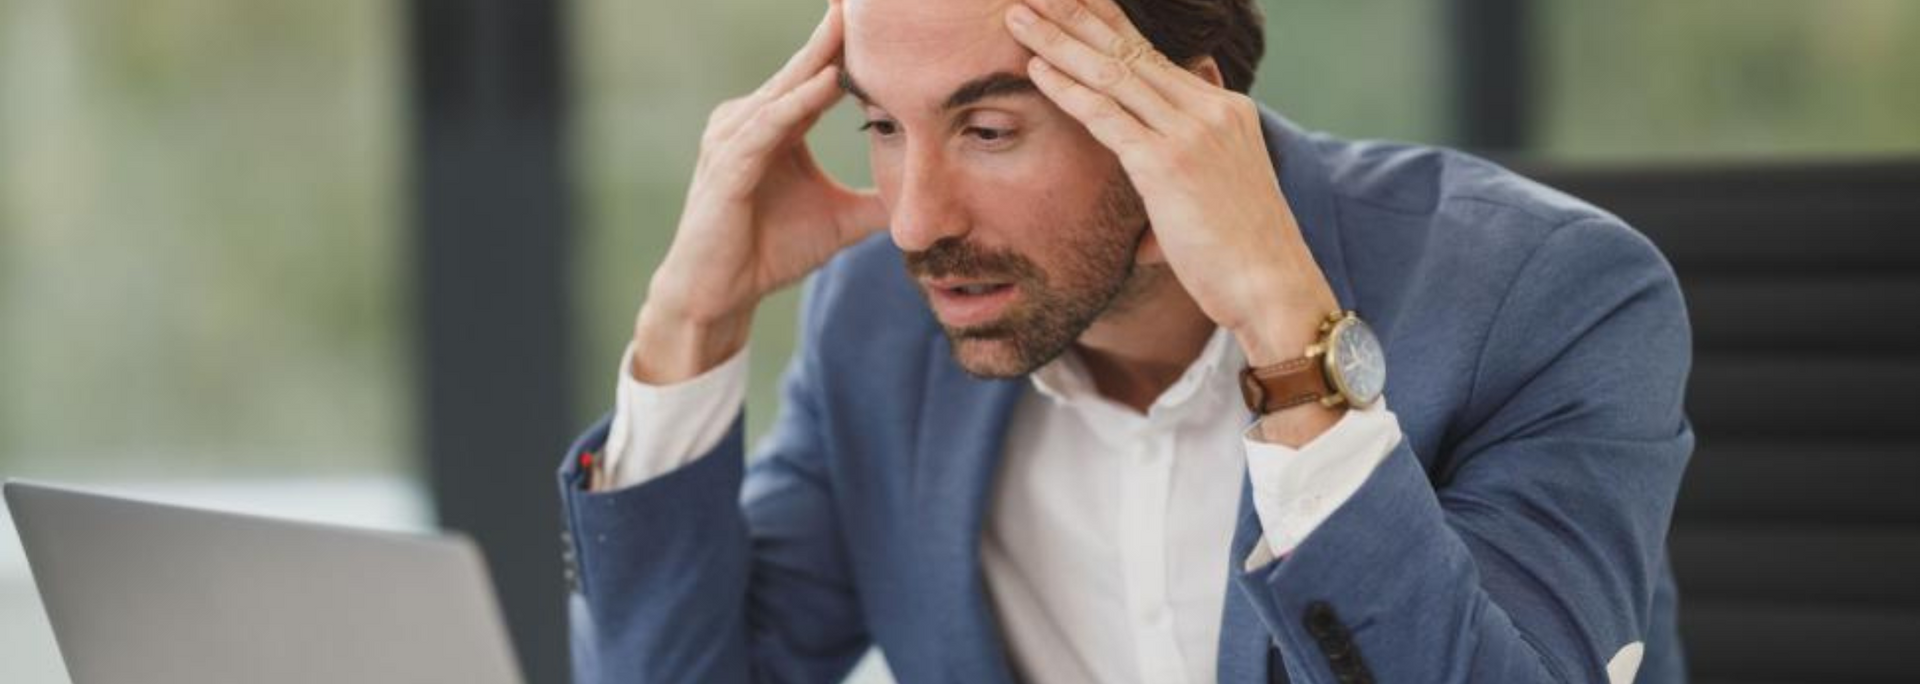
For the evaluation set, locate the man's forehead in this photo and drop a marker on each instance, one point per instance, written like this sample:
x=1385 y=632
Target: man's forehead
x=924 y=48
x=925 y=21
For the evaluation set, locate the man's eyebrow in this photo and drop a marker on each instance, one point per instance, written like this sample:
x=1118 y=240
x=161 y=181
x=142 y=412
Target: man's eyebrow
x=996 y=84
x=852 y=88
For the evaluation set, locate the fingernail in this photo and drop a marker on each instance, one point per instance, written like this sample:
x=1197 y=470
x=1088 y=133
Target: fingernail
x=1020 y=15
x=1040 y=65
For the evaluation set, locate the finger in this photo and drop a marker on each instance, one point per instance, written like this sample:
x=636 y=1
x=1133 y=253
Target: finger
x=820 y=50
x=1084 y=21
x=1105 y=12
x=1103 y=25
x=1108 y=74
x=788 y=115
x=1109 y=122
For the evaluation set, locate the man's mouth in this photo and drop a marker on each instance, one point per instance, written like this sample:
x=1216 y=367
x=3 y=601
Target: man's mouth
x=978 y=289
x=969 y=303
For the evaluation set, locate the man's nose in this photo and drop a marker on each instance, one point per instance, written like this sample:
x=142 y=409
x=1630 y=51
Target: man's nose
x=927 y=210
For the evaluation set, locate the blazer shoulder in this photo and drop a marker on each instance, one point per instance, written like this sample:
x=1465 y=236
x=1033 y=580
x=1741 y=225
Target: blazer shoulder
x=1435 y=181
x=1471 y=217
x=1459 y=260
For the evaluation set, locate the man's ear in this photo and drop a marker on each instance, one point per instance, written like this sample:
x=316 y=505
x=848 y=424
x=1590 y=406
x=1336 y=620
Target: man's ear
x=1204 y=67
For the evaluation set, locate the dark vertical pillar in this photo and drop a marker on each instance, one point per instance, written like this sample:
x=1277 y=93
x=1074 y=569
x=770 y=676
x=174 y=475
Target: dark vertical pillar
x=491 y=222
x=1491 y=62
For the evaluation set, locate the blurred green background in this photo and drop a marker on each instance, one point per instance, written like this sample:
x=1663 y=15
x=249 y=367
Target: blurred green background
x=203 y=210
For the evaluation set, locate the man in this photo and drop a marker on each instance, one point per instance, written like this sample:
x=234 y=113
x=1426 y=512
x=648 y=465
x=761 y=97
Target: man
x=1116 y=419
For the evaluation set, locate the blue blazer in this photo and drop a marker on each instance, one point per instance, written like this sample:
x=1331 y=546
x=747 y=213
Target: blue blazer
x=1537 y=350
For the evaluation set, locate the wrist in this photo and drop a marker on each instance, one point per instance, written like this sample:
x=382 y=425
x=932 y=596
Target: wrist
x=1283 y=335
x=1285 y=313
x=1298 y=426
x=1284 y=338
x=672 y=345
x=1272 y=341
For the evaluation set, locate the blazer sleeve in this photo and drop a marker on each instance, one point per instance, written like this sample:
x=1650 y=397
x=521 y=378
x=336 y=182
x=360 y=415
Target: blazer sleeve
x=716 y=571
x=1531 y=551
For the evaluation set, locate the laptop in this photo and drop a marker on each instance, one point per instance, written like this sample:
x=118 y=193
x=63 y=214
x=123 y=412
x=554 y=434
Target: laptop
x=161 y=594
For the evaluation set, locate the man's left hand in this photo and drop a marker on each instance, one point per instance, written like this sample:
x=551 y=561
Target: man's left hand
x=1195 y=153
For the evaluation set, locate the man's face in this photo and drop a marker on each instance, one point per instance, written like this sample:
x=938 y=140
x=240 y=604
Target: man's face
x=1017 y=225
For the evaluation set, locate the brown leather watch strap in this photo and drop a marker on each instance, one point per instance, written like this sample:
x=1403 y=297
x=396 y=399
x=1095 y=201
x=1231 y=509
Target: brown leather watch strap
x=1283 y=385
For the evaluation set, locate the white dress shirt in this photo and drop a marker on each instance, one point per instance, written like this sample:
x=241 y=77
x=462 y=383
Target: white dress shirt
x=1108 y=530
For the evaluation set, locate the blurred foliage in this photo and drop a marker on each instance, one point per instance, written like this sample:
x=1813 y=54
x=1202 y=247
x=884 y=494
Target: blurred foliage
x=1728 y=79
x=198 y=218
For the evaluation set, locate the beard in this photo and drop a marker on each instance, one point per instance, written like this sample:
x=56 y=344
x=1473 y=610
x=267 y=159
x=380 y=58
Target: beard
x=1096 y=276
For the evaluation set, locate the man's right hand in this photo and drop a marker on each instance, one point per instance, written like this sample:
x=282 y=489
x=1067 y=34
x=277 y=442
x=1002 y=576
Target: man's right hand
x=760 y=215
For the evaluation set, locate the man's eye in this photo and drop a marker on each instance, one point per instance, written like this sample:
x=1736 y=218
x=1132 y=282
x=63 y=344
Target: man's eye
x=879 y=127
x=992 y=135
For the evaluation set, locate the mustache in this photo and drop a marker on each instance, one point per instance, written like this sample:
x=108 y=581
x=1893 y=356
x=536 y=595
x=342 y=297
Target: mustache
x=950 y=257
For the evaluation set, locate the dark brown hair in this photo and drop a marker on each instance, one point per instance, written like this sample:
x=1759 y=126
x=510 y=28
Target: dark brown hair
x=1230 y=31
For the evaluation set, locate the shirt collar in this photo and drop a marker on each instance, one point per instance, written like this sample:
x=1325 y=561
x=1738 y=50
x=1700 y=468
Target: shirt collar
x=1066 y=382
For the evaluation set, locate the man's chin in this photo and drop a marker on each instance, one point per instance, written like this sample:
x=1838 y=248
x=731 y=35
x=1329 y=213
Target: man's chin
x=995 y=357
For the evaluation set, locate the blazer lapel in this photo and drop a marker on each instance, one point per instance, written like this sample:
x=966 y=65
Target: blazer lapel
x=963 y=423
x=1246 y=648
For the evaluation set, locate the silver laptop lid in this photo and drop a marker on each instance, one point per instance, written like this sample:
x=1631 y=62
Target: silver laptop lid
x=146 y=592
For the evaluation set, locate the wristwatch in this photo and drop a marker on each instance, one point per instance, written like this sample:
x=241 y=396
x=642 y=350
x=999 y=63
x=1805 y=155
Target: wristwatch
x=1346 y=365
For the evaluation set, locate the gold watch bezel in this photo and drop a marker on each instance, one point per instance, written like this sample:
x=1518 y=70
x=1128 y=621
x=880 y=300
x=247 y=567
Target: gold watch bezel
x=1337 y=323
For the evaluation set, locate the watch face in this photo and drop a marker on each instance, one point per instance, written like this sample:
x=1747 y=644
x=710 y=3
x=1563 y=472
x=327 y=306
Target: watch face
x=1357 y=363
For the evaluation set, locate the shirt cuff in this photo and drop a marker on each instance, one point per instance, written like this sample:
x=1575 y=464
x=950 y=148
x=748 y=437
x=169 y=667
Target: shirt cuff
x=657 y=428
x=1294 y=490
